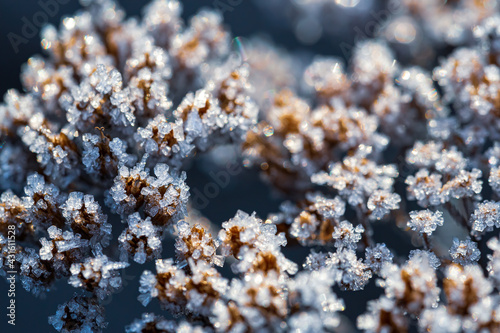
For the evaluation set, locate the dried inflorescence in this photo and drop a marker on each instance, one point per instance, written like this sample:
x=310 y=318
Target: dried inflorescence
x=196 y=244
x=103 y=156
x=63 y=248
x=413 y=287
x=98 y=275
x=141 y=240
x=42 y=203
x=84 y=216
x=163 y=197
x=362 y=154
x=80 y=314
x=180 y=291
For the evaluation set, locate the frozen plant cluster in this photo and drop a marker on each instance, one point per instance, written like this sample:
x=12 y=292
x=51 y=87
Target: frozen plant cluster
x=388 y=174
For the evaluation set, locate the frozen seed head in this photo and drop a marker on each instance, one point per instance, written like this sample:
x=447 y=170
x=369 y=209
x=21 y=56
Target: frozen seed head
x=149 y=72
x=37 y=275
x=346 y=127
x=169 y=278
x=166 y=196
x=204 y=40
x=464 y=252
x=141 y=240
x=424 y=155
x=346 y=235
x=46 y=81
x=163 y=196
x=413 y=285
x=256 y=245
x=42 y=202
x=254 y=303
x=456 y=73
x=486 y=216
x=377 y=256
x=61 y=249
x=315 y=261
x=64 y=45
x=248 y=231
x=357 y=178
x=440 y=320
x=451 y=161
x=373 y=65
x=197 y=244
x=326 y=207
x=100 y=98
x=464 y=185
x=428 y=255
x=103 y=156
x=162 y=19
x=464 y=287
x=314 y=225
x=353 y=273
x=13 y=214
x=222 y=112
x=264 y=261
x=125 y=196
x=425 y=188
x=84 y=216
x=313 y=316
x=16 y=110
x=231 y=87
x=381 y=203
x=80 y=314
x=494 y=179
x=165 y=139
x=98 y=275
x=327 y=77
x=419 y=97
x=425 y=221
x=383 y=315
x=180 y=292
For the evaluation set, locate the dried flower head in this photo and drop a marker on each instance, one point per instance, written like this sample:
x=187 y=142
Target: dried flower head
x=425 y=221
x=464 y=252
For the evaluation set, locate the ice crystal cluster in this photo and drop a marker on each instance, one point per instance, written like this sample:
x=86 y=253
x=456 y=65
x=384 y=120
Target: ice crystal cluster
x=388 y=170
